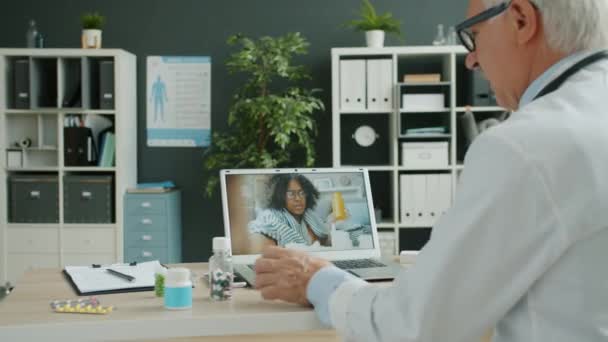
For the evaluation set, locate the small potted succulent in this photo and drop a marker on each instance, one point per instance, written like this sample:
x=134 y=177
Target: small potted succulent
x=375 y=26
x=92 y=23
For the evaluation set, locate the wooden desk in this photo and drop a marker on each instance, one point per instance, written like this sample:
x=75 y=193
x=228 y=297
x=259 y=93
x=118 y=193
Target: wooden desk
x=25 y=315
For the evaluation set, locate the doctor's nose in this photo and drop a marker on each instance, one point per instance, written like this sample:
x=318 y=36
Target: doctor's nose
x=471 y=61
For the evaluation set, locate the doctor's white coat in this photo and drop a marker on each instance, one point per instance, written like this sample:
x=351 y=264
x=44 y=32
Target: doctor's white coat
x=523 y=250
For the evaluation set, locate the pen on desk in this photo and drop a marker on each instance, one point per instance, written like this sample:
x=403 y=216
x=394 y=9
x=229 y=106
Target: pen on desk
x=120 y=275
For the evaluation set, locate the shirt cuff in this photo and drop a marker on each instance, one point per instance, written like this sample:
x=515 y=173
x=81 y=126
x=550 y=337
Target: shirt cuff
x=321 y=287
x=339 y=303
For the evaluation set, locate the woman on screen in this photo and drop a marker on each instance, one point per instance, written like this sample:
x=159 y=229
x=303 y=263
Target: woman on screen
x=289 y=217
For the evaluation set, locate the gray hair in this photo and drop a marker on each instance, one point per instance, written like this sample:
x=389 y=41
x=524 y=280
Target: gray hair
x=572 y=25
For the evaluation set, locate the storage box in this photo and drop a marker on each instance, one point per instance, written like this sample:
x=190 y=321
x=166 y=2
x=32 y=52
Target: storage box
x=425 y=155
x=426 y=102
x=14 y=159
x=88 y=199
x=34 y=199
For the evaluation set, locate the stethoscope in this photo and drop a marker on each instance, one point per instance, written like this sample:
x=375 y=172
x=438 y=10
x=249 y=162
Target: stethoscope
x=556 y=83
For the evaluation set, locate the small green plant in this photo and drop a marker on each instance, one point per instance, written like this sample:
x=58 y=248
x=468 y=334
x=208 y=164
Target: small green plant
x=271 y=122
x=92 y=21
x=370 y=20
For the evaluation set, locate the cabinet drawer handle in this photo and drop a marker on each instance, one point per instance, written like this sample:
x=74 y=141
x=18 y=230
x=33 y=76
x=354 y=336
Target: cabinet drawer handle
x=146 y=254
x=35 y=194
x=146 y=221
x=87 y=195
x=146 y=205
x=146 y=237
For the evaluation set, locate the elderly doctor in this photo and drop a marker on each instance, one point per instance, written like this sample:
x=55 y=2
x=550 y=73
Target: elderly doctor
x=524 y=248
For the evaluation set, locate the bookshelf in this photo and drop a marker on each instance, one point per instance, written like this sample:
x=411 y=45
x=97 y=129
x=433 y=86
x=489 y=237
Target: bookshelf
x=355 y=98
x=41 y=90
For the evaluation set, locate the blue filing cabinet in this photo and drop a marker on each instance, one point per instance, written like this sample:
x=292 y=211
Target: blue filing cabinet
x=153 y=227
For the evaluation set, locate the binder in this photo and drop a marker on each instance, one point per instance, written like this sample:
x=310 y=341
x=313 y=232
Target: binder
x=352 y=85
x=79 y=149
x=433 y=198
x=108 y=150
x=379 y=84
x=445 y=186
x=421 y=217
x=406 y=205
x=96 y=280
x=21 y=84
x=106 y=85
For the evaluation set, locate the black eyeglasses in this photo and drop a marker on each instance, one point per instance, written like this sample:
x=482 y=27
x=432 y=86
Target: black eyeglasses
x=466 y=36
x=291 y=194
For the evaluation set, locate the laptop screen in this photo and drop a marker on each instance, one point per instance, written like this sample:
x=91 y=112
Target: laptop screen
x=312 y=210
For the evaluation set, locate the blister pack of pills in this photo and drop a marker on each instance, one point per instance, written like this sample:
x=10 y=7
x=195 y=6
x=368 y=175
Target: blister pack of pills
x=89 y=305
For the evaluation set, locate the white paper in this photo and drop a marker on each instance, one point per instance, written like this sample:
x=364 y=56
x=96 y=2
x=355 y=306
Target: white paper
x=90 y=279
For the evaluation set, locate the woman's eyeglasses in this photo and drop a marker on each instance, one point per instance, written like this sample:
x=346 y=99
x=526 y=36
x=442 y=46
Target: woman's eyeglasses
x=292 y=194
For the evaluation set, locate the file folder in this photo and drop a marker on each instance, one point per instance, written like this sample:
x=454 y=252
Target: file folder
x=421 y=217
x=21 y=84
x=106 y=85
x=379 y=84
x=433 y=198
x=405 y=204
x=445 y=186
x=79 y=149
x=352 y=85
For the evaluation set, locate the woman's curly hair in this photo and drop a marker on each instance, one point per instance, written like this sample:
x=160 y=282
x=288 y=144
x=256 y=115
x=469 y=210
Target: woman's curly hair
x=278 y=184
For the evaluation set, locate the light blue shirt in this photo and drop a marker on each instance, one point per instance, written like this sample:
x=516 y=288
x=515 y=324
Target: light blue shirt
x=320 y=288
x=327 y=280
x=554 y=71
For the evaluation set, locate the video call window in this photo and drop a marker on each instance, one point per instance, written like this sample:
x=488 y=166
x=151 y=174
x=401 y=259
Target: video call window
x=309 y=211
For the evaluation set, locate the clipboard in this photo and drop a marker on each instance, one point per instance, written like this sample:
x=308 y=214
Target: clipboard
x=95 y=280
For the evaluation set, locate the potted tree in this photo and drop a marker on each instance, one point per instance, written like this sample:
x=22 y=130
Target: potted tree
x=375 y=26
x=270 y=121
x=92 y=23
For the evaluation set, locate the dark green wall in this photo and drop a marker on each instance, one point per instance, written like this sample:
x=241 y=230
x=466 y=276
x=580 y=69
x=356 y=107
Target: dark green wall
x=200 y=27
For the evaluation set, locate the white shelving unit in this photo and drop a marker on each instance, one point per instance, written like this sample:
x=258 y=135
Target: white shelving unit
x=448 y=61
x=53 y=74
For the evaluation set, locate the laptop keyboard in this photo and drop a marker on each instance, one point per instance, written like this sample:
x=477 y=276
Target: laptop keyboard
x=357 y=263
x=350 y=264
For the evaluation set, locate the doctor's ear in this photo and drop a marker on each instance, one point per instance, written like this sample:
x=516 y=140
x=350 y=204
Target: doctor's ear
x=525 y=19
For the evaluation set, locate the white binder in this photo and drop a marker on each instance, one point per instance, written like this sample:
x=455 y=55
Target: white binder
x=379 y=84
x=406 y=209
x=352 y=85
x=445 y=186
x=433 y=198
x=421 y=216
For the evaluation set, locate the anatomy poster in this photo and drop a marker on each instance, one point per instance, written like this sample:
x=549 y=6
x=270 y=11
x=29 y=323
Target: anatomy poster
x=178 y=101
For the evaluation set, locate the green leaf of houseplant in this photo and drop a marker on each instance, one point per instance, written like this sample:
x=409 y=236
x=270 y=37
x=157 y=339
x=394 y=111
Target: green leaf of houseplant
x=267 y=123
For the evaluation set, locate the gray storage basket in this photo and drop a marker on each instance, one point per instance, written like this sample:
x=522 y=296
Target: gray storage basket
x=88 y=199
x=34 y=199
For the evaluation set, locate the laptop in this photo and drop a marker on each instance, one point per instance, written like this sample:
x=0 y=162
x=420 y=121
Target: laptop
x=264 y=206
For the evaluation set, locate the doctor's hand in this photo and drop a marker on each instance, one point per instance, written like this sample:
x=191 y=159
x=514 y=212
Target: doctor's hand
x=284 y=274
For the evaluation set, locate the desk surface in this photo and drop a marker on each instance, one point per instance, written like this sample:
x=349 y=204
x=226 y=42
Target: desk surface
x=26 y=315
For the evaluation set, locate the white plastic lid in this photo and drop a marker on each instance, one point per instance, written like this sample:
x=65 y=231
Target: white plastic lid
x=221 y=243
x=177 y=277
